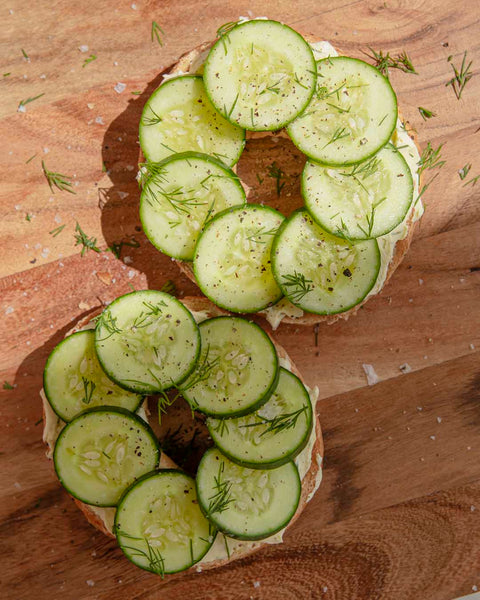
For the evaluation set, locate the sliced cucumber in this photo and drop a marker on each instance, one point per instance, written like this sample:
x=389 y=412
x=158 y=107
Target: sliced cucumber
x=159 y=525
x=74 y=381
x=319 y=272
x=237 y=370
x=184 y=192
x=351 y=116
x=232 y=258
x=247 y=504
x=178 y=117
x=260 y=75
x=147 y=341
x=364 y=201
x=272 y=435
x=101 y=452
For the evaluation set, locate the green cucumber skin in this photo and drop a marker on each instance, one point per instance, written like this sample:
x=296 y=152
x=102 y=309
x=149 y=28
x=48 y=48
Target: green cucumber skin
x=327 y=229
x=366 y=157
x=151 y=391
x=280 y=125
x=100 y=409
x=273 y=464
x=264 y=399
x=274 y=247
x=161 y=87
x=220 y=305
x=261 y=536
x=187 y=155
x=119 y=506
x=45 y=386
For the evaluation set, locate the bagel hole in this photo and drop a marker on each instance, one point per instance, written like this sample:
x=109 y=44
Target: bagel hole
x=271 y=166
x=183 y=436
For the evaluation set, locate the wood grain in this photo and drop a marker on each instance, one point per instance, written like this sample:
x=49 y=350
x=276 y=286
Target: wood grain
x=397 y=516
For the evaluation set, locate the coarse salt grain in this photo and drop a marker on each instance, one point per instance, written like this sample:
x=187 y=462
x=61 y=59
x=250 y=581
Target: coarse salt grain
x=372 y=377
x=120 y=87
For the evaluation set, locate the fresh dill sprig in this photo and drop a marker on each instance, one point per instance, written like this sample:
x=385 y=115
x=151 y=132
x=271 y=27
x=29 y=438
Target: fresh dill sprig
x=298 y=286
x=229 y=112
x=116 y=247
x=342 y=232
x=57 y=230
x=164 y=402
x=222 y=498
x=259 y=233
x=87 y=243
x=202 y=371
x=108 y=322
x=275 y=172
x=156 y=562
x=30 y=159
x=472 y=181
x=430 y=159
x=28 y=100
x=338 y=134
x=298 y=82
x=28 y=217
x=223 y=30
x=339 y=108
x=384 y=62
x=362 y=171
x=7 y=386
x=221 y=427
x=25 y=55
x=425 y=188
x=425 y=113
x=61 y=182
x=226 y=545
x=370 y=217
x=88 y=389
x=169 y=287
x=88 y=60
x=176 y=198
x=461 y=77
x=155 y=33
x=463 y=172
x=152 y=120
x=281 y=422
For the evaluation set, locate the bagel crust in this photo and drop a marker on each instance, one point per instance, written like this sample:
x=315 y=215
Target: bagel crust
x=102 y=518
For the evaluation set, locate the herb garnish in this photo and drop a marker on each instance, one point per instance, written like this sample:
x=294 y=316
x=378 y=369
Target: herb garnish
x=87 y=243
x=461 y=77
x=88 y=60
x=463 y=172
x=223 y=30
x=57 y=230
x=156 y=562
x=108 y=322
x=169 y=287
x=472 y=181
x=61 y=182
x=30 y=159
x=28 y=100
x=88 y=389
x=384 y=62
x=257 y=234
x=275 y=172
x=281 y=422
x=116 y=247
x=299 y=284
x=338 y=134
x=425 y=113
x=155 y=33
x=7 y=386
x=28 y=217
x=430 y=159
x=25 y=55
x=155 y=120
x=222 y=498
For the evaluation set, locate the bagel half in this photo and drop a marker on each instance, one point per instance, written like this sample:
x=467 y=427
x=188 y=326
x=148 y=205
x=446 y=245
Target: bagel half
x=309 y=460
x=191 y=62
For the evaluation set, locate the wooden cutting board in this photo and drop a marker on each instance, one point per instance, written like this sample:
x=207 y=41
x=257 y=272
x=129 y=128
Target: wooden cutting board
x=398 y=513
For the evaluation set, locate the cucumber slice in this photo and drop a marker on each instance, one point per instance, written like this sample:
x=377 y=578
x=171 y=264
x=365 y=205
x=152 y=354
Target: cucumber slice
x=147 y=341
x=319 y=272
x=184 y=192
x=247 y=504
x=178 y=117
x=159 y=525
x=364 y=201
x=232 y=258
x=101 y=452
x=260 y=75
x=237 y=370
x=272 y=435
x=74 y=381
x=351 y=116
